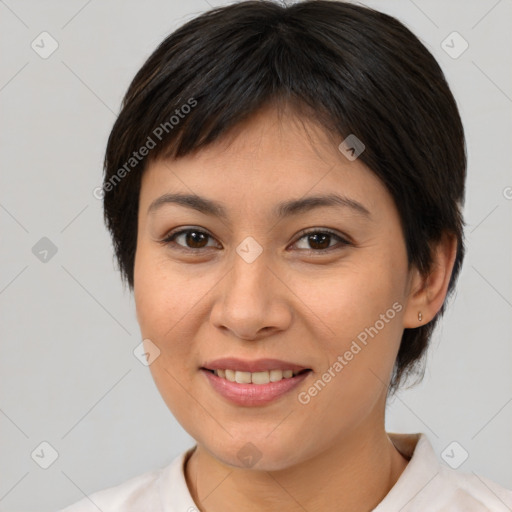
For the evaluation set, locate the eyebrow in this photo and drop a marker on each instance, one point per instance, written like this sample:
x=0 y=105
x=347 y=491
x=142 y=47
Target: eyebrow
x=281 y=210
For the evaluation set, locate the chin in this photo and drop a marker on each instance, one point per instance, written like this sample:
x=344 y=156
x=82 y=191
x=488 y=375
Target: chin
x=253 y=452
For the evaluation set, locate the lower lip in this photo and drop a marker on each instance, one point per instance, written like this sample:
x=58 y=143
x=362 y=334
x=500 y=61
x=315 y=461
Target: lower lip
x=253 y=394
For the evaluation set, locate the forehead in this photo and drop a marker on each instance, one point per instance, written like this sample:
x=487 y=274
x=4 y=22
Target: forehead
x=271 y=156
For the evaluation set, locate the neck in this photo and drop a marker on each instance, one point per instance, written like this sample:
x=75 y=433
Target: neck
x=355 y=474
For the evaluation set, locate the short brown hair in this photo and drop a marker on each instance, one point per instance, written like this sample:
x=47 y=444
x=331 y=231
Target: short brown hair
x=353 y=69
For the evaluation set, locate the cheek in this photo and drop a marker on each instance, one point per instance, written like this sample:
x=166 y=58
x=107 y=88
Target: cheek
x=171 y=302
x=360 y=308
x=163 y=295
x=358 y=352
x=164 y=302
x=354 y=297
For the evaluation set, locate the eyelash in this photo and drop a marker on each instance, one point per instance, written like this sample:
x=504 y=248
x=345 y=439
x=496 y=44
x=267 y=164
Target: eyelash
x=342 y=242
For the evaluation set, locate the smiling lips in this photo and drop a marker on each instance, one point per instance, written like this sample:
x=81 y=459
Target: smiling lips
x=261 y=371
x=253 y=382
x=258 y=365
x=254 y=377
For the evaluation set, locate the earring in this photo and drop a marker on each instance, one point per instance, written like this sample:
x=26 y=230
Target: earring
x=420 y=316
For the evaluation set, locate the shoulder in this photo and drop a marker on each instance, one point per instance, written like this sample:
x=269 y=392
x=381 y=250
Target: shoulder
x=161 y=490
x=428 y=484
x=470 y=492
x=454 y=491
x=138 y=493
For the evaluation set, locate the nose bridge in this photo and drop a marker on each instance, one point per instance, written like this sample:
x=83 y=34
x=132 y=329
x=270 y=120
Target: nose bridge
x=247 y=277
x=250 y=302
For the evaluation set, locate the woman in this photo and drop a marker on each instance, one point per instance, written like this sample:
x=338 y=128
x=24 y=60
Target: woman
x=284 y=188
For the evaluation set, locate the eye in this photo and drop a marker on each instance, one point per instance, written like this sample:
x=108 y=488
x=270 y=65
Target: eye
x=320 y=240
x=192 y=239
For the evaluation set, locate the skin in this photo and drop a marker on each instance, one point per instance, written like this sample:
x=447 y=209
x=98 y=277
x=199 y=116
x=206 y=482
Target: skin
x=292 y=303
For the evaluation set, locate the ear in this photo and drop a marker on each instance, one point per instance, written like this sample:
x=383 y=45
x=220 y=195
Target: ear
x=427 y=292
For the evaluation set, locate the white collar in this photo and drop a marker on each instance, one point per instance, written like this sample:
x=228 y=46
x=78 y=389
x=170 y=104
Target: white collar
x=424 y=481
x=423 y=466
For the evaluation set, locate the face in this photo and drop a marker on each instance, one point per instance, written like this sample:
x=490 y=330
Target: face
x=319 y=288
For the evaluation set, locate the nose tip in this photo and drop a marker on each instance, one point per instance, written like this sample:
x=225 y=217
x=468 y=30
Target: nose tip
x=253 y=337
x=248 y=305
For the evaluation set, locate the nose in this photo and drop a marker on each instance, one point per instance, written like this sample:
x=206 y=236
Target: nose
x=252 y=301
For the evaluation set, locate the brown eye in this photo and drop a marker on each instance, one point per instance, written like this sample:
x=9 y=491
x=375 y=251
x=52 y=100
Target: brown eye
x=196 y=239
x=192 y=239
x=321 y=241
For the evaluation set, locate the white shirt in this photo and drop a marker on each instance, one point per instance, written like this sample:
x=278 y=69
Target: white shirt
x=425 y=485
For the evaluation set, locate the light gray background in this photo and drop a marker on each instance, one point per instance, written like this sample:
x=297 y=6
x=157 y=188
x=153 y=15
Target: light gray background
x=68 y=373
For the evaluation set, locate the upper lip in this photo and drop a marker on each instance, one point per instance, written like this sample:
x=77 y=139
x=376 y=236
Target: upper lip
x=257 y=365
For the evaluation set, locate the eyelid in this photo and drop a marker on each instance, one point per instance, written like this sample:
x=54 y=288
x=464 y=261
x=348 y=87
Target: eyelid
x=343 y=239
x=168 y=238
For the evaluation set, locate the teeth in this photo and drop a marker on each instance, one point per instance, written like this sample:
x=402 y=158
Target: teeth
x=260 y=378
x=275 y=375
x=255 y=377
x=243 y=377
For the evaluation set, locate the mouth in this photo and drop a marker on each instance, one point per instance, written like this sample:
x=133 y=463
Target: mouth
x=257 y=378
x=253 y=383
